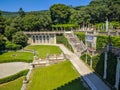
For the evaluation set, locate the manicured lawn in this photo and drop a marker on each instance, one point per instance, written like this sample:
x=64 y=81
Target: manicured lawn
x=54 y=76
x=43 y=50
x=16 y=56
x=13 y=85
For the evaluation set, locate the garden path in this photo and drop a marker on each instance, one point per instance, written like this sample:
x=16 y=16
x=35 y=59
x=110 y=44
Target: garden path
x=11 y=68
x=93 y=81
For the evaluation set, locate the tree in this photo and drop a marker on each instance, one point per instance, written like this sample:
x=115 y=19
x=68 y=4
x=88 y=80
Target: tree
x=60 y=13
x=20 y=38
x=21 y=12
x=2 y=42
x=2 y=23
x=9 y=31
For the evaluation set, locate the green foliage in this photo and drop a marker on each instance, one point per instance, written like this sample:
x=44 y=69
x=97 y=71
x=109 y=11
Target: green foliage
x=115 y=41
x=62 y=40
x=60 y=13
x=2 y=42
x=16 y=57
x=11 y=46
x=13 y=77
x=111 y=69
x=9 y=31
x=81 y=36
x=20 y=38
x=2 y=24
x=65 y=26
x=43 y=50
x=98 y=64
x=21 y=12
x=36 y=21
x=83 y=57
x=54 y=75
x=13 y=85
x=101 y=42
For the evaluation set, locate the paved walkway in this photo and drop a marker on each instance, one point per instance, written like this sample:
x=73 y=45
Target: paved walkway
x=7 y=69
x=92 y=79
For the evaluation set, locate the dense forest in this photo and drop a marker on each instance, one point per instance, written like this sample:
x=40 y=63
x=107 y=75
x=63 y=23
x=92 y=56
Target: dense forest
x=11 y=24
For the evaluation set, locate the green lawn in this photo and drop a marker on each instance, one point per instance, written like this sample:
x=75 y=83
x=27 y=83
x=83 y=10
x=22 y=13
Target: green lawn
x=43 y=50
x=16 y=56
x=54 y=76
x=13 y=85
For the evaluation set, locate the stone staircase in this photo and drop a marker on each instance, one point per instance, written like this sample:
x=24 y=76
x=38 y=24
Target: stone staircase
x=77 y=45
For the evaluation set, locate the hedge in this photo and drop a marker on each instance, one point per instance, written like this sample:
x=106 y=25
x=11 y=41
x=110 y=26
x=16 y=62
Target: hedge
x=62 y=40
x=111 y=68
x=103 y=40
x=13 y=77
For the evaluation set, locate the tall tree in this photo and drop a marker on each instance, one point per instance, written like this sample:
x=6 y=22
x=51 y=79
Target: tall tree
x=60 y=13
x=20 y=38
x=2 y=23
x=2 y=42
x=21 y=12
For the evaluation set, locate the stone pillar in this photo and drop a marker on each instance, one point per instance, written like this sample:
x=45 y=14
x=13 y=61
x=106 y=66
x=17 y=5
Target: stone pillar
x=42 y=39
x=31 y=39
x=49 y=39
x=39 y=39
x=117 y=74
x=46 y=39
x=105 y=66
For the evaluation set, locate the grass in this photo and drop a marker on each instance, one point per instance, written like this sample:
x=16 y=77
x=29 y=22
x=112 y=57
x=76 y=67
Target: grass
x=16 y=57
x=54 y=76
x=62 y=40
x=44 y=50
x=13 y=85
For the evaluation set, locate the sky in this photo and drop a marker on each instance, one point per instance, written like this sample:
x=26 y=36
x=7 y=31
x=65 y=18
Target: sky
x=36 y=5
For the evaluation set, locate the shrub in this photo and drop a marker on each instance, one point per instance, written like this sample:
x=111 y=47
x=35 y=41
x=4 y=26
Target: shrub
x=13 y=77
x=12 y=46
x=101 y=42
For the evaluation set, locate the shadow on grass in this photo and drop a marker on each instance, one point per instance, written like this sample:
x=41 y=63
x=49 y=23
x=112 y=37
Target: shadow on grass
x=75 y=84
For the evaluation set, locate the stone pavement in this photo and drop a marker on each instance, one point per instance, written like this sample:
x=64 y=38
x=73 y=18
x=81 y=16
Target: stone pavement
x=7 y=69
x=93 y=81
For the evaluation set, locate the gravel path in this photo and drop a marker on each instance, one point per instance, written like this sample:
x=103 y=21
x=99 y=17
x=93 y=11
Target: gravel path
x=91 y=78
x=7 y=69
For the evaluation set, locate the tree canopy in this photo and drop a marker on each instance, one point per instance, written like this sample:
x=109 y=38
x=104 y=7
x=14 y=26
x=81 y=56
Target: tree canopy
x=60 y=13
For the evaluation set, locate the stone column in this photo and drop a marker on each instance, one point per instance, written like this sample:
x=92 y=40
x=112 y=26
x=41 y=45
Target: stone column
x=42 y=39
x=31 y=39
x=105 y=66
x=38 y=38
x=117 y=74
x=46 y=39
x=49 y=39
